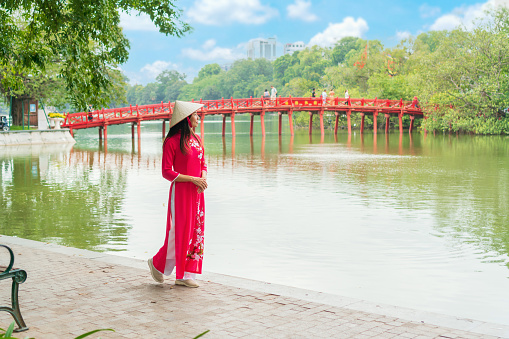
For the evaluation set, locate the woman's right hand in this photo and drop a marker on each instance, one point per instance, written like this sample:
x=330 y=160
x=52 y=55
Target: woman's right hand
x=201 y=183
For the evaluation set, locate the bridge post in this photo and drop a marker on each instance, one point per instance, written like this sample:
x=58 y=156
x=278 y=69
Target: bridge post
x=224 y=125
x=401 y=115
x=310 y=122
x=262 y=121
x=375 y=116
x=322 y=132
x=252 y=123
x=348 y=114
x=290 y=120
x=232 y=117
x=336 y=124
x=362 y=122
x=105 y=133
x=412 y=117
x=387 y=122
x=100 y=133
x=280 y=122
x=138 y=125
x=202 y=128
x=132 y=130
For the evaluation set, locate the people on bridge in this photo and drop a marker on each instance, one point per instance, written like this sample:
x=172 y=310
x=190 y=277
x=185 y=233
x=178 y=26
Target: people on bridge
x=324 y=97
x=273 y=93
x=415 y=103
x=184 y=166
x=266 y=95
x=331 y=96
x=347 y=96
x=90 y=116
x=313 y=93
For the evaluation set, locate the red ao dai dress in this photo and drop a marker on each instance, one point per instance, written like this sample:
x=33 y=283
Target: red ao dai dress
x=183 y=245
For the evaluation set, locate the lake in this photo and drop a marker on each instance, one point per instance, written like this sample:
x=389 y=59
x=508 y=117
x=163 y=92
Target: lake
x=412 y=220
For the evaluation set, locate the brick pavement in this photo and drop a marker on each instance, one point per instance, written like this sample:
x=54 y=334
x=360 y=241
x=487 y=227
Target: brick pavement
x=70 y=292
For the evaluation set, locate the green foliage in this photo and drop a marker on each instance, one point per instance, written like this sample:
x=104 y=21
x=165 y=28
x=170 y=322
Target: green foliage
x=465 y=79
x=76 y=45
x=8 y=333
x=201 y=334
x=168 y=87
x=209 y=70
x=343 y=47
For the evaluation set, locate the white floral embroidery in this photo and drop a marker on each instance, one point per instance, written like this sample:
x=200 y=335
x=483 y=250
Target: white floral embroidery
x=196 y=145
x=193 y=143
x=196 y=242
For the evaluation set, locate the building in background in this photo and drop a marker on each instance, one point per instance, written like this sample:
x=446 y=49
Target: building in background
x=262 y=48
x=293 y=47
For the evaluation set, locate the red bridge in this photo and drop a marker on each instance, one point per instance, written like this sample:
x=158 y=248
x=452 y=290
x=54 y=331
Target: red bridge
x=254 y=106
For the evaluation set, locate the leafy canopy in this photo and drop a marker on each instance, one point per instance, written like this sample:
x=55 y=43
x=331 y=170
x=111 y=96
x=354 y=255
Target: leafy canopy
x=82 y=37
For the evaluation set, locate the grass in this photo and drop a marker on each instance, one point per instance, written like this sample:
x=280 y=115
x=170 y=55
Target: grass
x=20 y=128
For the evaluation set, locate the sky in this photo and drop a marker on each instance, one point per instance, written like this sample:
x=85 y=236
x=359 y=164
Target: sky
x=222 y=28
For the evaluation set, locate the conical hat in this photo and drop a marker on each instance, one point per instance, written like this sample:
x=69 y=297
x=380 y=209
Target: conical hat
x=183 y=109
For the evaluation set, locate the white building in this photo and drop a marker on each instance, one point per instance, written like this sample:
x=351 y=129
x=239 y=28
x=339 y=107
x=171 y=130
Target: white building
x=293 y=47
x=262 y=48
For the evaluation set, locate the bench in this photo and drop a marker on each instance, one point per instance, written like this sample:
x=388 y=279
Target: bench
x=18 y=277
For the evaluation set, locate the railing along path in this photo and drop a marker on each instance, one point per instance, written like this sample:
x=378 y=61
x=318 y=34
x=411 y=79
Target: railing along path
x=253 y=106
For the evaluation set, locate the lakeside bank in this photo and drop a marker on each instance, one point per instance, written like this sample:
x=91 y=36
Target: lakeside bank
x=71 y=291
x=36 y=137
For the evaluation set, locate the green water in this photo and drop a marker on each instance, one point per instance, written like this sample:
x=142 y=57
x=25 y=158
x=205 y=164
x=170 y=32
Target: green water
x=416 y=221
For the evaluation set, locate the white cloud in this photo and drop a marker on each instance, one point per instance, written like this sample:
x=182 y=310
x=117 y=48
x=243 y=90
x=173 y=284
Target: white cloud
x=465 y=15
x=334 y=32
x=209 y=44
x=154 y=69
x=149 y=72
x=220 y=12
x=428 y=11
x=402 y=35
x=135 y=22
x=210 y=51
x=448 y=21
x=301 y=9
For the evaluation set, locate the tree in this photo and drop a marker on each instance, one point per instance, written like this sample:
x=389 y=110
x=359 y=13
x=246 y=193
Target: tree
x=342 y=48
x=282 y=63
x=209 y=70
x=83 y=37
x=170 y=83
x=466 y=78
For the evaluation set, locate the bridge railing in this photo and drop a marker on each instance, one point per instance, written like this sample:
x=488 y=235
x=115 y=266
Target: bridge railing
x=227 y=106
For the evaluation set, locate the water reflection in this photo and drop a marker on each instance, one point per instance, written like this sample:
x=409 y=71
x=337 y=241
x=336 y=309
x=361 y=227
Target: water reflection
x=68 y=196
x=441 y=175
x=412 y=220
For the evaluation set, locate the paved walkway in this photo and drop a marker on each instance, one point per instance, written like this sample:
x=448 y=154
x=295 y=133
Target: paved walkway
x=69 y=292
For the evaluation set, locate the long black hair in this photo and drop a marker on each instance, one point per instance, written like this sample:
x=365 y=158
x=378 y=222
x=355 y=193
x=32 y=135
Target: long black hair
x=185 y=134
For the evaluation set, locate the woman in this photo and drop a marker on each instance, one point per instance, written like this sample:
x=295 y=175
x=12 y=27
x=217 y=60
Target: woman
x=331 y=96
x=183 y=165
